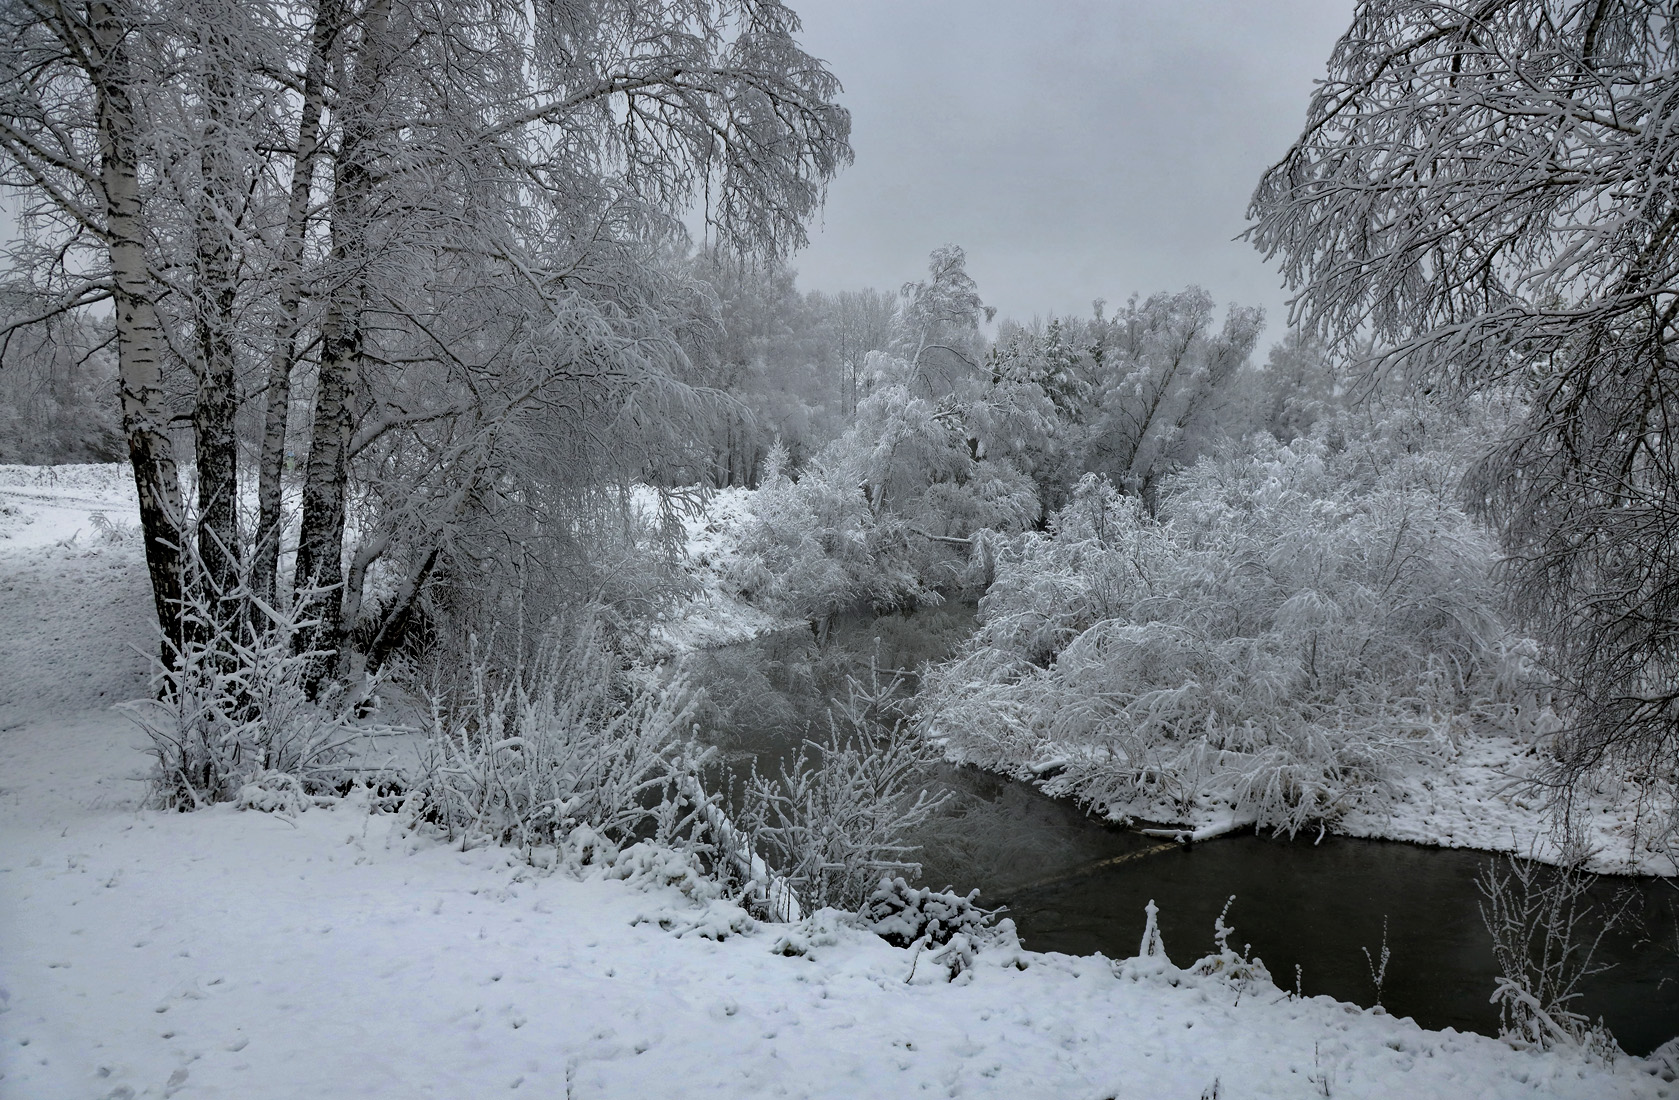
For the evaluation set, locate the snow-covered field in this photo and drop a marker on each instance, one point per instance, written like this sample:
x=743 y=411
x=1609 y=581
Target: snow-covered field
x=250 y=955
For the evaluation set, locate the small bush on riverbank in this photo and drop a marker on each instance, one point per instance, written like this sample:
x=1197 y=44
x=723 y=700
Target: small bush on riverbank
x=575 y=747
x=1546 y=930
x=523 y=758
x=835 y=819
x=904 y=915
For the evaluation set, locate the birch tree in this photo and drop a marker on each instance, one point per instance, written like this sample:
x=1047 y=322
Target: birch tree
x=1489 y=188
x=73 y=128
x=574 y=135
x=939 y=321
x=1162 y=369
x=284 y=352
x=163 y=228
x=264 y=189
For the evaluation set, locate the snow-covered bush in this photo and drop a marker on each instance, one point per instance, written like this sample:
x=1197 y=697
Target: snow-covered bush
x=902 y=914
x=1229 y=965
x=815 y=549
x=947 y=924
x=893 y=511
x=524 y=758
x=1546 y=929
x=1291 y=626
x=836 y=818
x=113 y=532
x=231 y=720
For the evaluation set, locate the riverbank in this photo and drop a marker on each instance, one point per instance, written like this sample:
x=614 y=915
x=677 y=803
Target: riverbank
x=1466 y=790
x=1073 y=882
x=338 y=953
x=239 y=954
x=713 y=615
x=1470 y=796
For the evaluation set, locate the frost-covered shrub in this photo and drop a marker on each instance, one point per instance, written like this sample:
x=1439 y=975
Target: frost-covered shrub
x=524 y=758
x=946 y=924
x=113 y=532
x=231 y=720
x=822 y=928
x=895 y=510
x=1292 y=625
x=836 y=818
x=815 y=549
x=903 y=915
x=1227 y=964
x=1546 y=929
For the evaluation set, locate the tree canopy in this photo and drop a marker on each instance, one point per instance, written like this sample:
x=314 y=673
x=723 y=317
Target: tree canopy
x=1488 y=188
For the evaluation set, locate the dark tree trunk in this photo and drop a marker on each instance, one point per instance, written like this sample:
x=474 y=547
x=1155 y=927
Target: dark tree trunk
x=320 y=547
x=320 y=550
x=215 y=438
x=271 y=466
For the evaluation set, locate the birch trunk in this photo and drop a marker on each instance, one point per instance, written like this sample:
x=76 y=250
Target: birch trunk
x=271 y=466
x=320 y=547
x=215 y=439
x=320 y=550
x=145 y=414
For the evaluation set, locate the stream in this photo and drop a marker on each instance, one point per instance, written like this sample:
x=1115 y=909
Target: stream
x=1075 y=884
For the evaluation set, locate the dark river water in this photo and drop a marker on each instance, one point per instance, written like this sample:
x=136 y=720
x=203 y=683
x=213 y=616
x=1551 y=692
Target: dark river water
x=1074 y=884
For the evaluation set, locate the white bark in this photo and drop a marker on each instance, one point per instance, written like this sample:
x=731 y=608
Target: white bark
x=139 y=336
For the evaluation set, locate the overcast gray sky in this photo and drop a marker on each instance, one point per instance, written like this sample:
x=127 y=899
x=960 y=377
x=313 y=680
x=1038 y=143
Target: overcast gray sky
x=1076 y=148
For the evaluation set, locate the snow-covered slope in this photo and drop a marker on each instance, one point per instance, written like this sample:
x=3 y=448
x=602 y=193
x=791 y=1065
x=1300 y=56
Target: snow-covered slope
x=228 y=954
x=714 y=616
x=240 y=954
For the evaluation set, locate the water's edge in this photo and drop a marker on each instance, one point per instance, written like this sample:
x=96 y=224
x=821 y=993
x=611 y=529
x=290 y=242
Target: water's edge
x=1077 y=884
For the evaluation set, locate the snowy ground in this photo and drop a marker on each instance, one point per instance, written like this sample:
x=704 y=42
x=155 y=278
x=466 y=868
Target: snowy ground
x=240 y=954
x=714 y=616
x=1475 y=802
x=1473 y=798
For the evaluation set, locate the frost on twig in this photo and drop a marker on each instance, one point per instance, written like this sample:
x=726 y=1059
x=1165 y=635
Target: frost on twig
x=232 y=721
x=1546 y=929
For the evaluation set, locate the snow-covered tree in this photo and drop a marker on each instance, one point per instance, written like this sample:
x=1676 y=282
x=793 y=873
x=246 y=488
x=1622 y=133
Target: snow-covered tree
x=938 y=323
x=1297 y=386
x=446 y=222
x=58 y=392
x=1162 y=372
x=855 y=323
x=75 y=133
x=1490 y=189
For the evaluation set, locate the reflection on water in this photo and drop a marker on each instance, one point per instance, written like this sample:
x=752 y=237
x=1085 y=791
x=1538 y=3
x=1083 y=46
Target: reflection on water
x=1077 y=885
